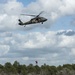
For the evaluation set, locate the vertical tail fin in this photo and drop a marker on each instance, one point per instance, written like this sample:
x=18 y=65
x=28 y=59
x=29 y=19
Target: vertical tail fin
x=20 y=22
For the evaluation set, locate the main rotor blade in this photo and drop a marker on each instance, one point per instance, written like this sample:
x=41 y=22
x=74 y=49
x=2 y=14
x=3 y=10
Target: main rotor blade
x=29 y=15
x=39 y=13
x=33 y=15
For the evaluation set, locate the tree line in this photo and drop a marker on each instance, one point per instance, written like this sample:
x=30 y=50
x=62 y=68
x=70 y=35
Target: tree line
x=18 y=69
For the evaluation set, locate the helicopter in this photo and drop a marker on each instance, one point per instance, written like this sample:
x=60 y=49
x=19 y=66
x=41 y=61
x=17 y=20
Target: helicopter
x=36 y=19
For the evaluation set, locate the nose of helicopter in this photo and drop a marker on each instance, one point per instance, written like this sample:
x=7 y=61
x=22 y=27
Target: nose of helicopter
x=45 y=19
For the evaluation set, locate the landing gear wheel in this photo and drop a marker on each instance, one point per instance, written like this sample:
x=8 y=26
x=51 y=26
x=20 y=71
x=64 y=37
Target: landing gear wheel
x=42 y=22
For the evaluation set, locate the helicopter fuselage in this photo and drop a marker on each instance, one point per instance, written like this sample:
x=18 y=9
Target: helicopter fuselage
x=36 y=19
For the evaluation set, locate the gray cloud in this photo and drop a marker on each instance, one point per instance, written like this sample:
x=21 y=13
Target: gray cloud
x=68 y=33
x=47 y=47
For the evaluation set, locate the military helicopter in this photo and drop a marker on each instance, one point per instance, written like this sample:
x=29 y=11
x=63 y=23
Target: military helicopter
x=36 y=19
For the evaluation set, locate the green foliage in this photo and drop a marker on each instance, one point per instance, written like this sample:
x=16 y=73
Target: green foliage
x=23 y=69
x=30 y=68
x=16 y=64
x=73 y=66
x=59 y=68
x=37 y=69
x=1 y=68
x=69 y=66
x=9 y=68
x=17 y=68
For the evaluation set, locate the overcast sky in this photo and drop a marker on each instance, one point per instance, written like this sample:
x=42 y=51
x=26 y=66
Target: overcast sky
x=52 y=43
